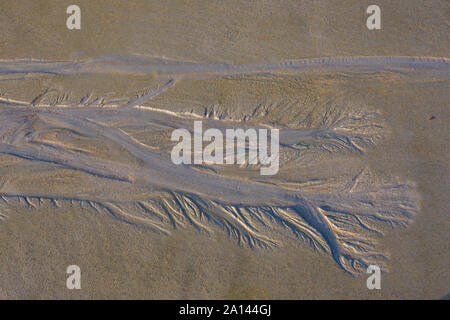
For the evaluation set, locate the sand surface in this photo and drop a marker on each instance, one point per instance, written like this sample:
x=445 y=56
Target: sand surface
x=86 y=177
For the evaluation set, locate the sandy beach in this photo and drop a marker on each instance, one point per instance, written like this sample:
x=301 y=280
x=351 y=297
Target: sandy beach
x=88 y=136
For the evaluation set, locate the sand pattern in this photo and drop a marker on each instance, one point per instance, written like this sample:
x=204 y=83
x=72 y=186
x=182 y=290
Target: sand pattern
x=112 y=154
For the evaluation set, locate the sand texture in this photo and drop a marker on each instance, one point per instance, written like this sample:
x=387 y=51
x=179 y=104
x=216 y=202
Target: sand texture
x=86 y=176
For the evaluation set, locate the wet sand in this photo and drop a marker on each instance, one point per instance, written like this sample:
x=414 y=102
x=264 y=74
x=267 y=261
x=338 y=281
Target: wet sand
x=78 y=187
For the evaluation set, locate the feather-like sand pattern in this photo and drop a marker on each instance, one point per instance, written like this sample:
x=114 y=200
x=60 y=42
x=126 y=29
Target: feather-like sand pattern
x=113 y=146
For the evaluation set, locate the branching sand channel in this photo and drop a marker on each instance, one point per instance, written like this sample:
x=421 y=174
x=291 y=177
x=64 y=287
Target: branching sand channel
x=112 y=154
